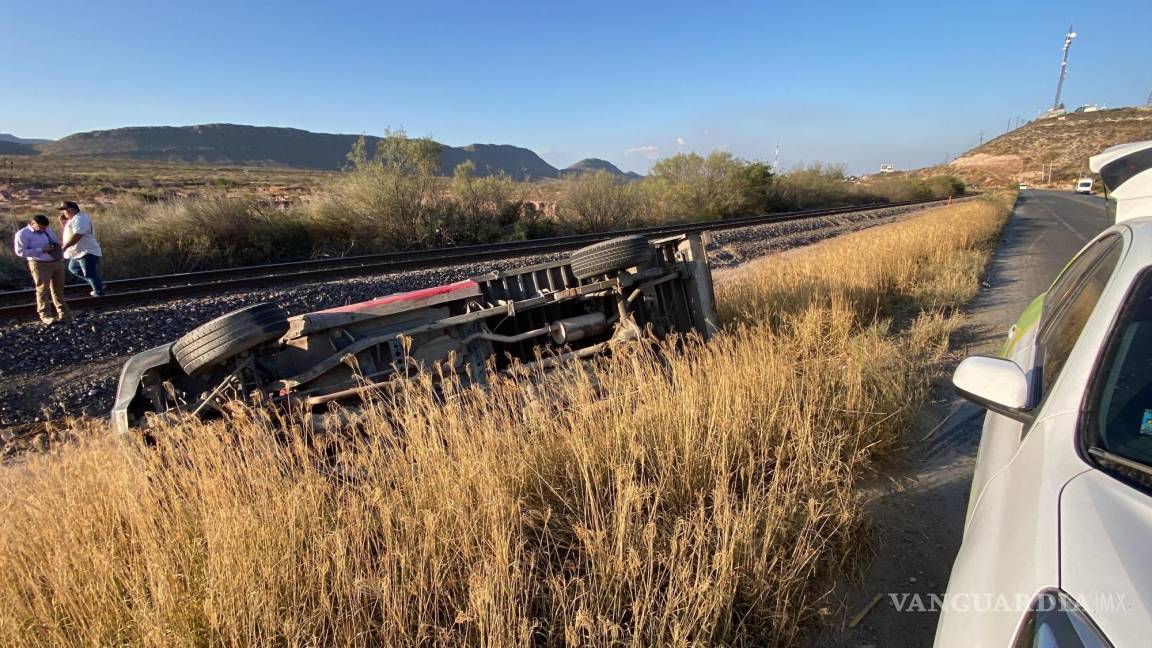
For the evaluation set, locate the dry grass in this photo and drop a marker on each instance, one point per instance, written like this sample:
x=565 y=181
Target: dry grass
x=927 y=263
x=700 y=497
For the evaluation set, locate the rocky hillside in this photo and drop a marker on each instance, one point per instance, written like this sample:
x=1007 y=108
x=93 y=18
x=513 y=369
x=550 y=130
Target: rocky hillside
x=490 y=159
x=269 y=146
x=15 y=148
x=1062 y=144
x=591 y=165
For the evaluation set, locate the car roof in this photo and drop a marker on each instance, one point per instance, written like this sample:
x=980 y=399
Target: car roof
x=1140 y=252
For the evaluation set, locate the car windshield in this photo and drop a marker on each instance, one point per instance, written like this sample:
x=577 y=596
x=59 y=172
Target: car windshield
x=1122 y=415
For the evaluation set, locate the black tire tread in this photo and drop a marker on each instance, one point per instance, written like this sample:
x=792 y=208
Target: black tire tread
x=610 y=256
x=220 y=335
x=226 y=321
x=238 y=334
x=228 y=335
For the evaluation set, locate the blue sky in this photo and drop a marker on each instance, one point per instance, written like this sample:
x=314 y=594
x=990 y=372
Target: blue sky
x=861 y=83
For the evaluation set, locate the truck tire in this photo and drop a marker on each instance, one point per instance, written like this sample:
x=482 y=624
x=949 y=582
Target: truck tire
x=229 y=335
x=610 y=256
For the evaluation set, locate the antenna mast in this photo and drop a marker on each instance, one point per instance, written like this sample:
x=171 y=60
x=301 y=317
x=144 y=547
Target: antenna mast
x=1056 y=105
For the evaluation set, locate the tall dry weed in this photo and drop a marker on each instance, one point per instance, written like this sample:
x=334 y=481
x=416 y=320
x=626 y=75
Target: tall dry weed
x=698 y=496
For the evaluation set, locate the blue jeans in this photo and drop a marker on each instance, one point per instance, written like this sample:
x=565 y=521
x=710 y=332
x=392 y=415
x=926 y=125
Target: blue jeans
x=87 y=268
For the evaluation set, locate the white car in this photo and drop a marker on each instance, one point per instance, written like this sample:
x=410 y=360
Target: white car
x=1084 y=186
x=1057 y=547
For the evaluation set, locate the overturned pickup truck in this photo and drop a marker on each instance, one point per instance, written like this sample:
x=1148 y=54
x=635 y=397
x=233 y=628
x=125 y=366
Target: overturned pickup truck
x=605 y=294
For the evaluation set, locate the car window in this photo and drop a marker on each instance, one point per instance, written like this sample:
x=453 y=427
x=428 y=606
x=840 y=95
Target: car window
x=1119 y=412
x=1074 y=296
x=1079 y=268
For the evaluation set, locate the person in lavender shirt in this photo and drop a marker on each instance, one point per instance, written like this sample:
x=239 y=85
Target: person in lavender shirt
x=37 y=244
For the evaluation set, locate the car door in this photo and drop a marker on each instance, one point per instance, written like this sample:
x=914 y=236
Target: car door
x=1039 y=343
x=1106 y=513
x=1011 y=540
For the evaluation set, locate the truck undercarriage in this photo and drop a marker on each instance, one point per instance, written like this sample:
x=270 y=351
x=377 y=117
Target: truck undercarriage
x=606 y=294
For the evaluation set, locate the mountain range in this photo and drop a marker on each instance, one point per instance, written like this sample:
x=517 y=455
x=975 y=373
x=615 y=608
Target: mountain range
x=8 y=137
x=273 y=146
x=12 y=145
x=14 y=148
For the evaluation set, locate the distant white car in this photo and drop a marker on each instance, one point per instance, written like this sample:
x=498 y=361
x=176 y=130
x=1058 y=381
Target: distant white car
x=1057 y=547
x=1023 y=185
x=1084 y=186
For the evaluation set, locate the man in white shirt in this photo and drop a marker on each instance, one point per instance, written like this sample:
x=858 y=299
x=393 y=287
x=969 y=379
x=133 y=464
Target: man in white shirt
x=81 y=249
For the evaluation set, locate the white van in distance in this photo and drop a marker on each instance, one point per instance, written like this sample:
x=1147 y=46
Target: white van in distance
x=1084 y=186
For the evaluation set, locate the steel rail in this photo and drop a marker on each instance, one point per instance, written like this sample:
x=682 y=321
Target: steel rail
x=16 y=304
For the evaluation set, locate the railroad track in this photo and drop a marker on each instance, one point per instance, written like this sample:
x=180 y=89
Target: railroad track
x=20 y=304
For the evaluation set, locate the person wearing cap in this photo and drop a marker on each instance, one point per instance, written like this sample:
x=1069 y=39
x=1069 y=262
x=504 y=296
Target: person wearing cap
x=81 y=249
x=39 y=246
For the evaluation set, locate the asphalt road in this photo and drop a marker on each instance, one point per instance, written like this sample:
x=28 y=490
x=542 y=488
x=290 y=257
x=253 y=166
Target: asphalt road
x=919 y=504
x=1047 y=230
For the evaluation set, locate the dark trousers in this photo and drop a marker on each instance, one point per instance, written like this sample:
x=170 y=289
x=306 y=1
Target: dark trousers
x=87 y=268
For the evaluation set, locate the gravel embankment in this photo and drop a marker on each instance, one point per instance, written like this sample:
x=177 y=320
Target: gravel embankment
x=71 y=367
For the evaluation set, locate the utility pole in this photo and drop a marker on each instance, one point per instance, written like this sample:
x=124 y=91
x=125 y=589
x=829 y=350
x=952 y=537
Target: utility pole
x=1056 y=105
x=981 y=137
x=776 y=160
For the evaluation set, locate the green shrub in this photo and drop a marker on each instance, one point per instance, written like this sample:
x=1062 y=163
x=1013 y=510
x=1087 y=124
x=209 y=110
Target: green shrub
x=896 y=188
x=812 y=185
x=690 y=187
x=597 y=202
x=391 y=201
x=483 y=208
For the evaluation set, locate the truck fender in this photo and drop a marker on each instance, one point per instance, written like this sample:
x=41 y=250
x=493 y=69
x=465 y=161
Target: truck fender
x=129 y=385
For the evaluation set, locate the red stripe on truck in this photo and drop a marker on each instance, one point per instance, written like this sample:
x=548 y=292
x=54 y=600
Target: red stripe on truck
x=413 y=295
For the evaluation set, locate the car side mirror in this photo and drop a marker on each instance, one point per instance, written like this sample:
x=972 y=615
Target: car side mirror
x=996 y=384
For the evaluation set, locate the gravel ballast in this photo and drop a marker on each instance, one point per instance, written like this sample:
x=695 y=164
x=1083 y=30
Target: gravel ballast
x=71 y=368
